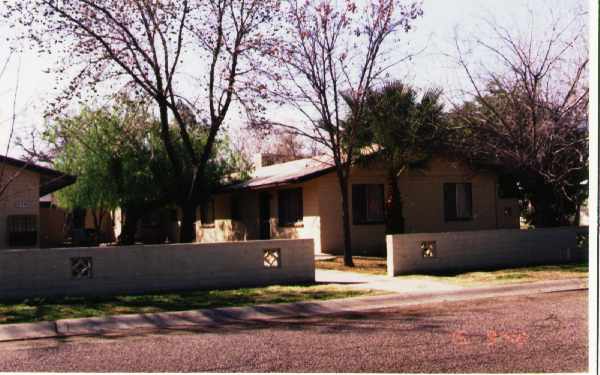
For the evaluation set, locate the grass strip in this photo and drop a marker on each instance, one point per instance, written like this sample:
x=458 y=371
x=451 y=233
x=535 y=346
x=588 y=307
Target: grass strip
x=45 y=309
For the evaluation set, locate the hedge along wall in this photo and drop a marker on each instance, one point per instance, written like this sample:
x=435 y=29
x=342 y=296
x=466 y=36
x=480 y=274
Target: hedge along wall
x=151 y=268
x=427 y=252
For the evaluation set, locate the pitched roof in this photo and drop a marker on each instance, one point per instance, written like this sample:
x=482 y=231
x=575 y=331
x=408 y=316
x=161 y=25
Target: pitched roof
x=285 y=173
x=50 y=179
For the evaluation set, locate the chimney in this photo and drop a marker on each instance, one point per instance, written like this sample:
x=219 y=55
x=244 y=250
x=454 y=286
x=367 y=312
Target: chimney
x=257 y=161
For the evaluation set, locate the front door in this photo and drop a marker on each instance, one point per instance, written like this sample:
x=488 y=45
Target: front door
x=265 y=216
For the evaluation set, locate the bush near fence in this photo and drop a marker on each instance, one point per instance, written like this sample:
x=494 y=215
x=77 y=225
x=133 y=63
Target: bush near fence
x=153 y=268
x=451 y=251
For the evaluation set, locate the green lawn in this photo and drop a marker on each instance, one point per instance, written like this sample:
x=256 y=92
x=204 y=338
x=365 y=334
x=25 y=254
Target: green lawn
x=514 y=275
x=362 y=264
x=41 y=309
x=378 y=266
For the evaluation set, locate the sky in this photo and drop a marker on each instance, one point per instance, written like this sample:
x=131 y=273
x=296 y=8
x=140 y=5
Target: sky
x=434 y=67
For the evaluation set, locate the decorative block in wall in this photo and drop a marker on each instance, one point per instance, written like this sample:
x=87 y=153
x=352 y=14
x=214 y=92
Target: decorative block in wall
x=82 y=267
x=428 y=249
x=272 y=258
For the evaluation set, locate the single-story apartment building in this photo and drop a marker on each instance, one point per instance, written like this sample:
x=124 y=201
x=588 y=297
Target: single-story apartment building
x=22 y=184
x=301 y=199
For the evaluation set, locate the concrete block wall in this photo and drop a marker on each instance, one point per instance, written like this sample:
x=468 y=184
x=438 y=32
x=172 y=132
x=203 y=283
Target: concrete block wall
x=482 y=249
x=148 y=268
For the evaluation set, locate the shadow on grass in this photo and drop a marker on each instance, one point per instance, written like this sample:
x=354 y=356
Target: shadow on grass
x=350 y=322
x=44 y=309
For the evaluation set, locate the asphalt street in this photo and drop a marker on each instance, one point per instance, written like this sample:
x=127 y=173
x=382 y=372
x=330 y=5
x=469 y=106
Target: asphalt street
x=538 y=333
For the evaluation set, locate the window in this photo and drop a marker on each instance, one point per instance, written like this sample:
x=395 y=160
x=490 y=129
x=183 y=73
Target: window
x=458 y=202
x=290 y=207
x=22 y=230
x=236 y=214
x=367 y=204
x=207 y=213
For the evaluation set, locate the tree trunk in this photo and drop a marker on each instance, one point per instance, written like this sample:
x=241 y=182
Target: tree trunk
x=165 y=136
x=98 y=214
x=131 y=218
x=394 y=223
x=546 y=211
x=96 y=219
x=188 y=223
x=343 y=182
x=577 y=217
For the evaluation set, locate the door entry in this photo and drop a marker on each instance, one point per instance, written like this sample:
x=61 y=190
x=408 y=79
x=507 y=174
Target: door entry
x=265 y=216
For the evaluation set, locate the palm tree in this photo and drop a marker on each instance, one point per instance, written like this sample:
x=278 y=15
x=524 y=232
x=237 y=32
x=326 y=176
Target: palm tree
x=405 y=132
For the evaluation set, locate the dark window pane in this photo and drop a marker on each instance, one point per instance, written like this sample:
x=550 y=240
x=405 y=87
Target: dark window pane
x=207 y=213
x=22 y=230
x=458 y=201
x=450 y=201
x=358 y=204
x=367 y=203
x=374 y=203
x=235 y=208
x=290 y=206
x=465 y=210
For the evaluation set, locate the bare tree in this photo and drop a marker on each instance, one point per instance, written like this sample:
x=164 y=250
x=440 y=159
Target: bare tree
x=141 y=44
x=292 y=145
x=251 y=141
x=529 y=110
x=7 y=177
x=334 y=51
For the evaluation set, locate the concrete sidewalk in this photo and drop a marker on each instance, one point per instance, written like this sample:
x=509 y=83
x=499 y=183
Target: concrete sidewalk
x=382 y=282
x=212 y=317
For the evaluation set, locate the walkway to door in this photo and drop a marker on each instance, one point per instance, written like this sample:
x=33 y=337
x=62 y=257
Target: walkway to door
x=384 y=283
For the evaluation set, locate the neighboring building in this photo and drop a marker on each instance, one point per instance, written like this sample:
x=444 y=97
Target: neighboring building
x=79 y=226
x=301 y=199
x=157 y=225
x=20 y=219
x=52 y=222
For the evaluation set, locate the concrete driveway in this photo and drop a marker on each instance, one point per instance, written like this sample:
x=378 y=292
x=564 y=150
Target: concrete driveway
x=380 y=282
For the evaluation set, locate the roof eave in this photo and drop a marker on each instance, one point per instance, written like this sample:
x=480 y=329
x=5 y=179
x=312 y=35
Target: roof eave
x=286 y=182
x=56 y=179
x=56 y=183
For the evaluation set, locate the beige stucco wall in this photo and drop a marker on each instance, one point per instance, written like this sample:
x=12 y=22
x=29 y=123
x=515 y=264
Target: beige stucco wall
x=310 y=227
x=480 y=249
x=508 y=213
x=366 y=238
x=322 y=216
x=225 y=229
x=423 y=204
x=423 y=198
x=136 y=269
x=21 y=197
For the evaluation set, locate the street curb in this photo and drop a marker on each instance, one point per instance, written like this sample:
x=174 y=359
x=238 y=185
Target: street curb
x=212 y=317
